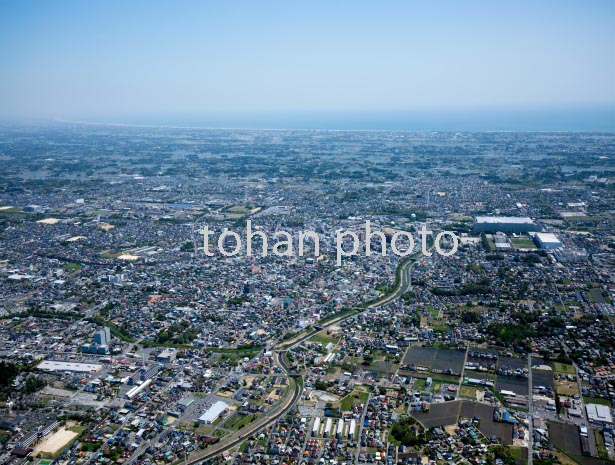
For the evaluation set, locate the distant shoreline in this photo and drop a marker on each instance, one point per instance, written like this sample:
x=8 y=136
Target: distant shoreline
x=307 y=129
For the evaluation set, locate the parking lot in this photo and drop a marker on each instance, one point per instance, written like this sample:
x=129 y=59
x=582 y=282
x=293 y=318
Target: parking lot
x=512 y=363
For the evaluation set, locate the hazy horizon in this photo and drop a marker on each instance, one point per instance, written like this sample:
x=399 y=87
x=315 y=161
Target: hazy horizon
x=566 y=119
x=398 y=65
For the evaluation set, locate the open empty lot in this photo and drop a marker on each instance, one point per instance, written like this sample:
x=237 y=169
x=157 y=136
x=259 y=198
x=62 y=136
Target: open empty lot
x=55 y=442
x=567 y=388
x=487 y=426
x=384 y=368
x=542 y=378
x=449 y=413
x=435 y=359
x=563 y=368
x=566 y=437
x=448 y=360
x=440 y=414
x=420 y=356
x=512 y=383
x=595 y=295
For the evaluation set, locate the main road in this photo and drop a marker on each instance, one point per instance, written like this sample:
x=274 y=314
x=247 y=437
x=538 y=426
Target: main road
x=240 y=436
x=403 y=284
x=291 y=399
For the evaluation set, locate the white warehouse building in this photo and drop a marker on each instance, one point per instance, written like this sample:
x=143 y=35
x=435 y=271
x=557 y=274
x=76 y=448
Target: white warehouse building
x=505 y=224
x=547 y=241
x=138 y=389
x=213 y=412
x=599 y=414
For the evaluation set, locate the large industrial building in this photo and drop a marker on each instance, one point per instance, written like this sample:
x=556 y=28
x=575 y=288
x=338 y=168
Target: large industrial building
x=184 y=403
x=547 y=241
x=75 y=367
x=505 y=224
x=166 y=356
x=94 y=349
x=565 y=255
x=213 y=412
x=599 y=414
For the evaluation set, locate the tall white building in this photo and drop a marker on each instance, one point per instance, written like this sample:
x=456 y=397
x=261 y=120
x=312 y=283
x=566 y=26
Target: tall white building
x=102 y=337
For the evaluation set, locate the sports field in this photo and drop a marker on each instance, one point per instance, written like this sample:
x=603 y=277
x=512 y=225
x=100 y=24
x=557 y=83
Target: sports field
x=55 y=442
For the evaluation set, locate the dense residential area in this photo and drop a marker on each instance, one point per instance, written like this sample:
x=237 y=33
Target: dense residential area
x=122 y=341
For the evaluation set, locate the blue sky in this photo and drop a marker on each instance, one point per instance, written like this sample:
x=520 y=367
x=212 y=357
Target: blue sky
x=121 y=59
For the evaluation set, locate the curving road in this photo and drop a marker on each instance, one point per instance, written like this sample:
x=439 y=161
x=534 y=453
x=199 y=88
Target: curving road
x=244 y=433
x=405 y=267
x=404 y=283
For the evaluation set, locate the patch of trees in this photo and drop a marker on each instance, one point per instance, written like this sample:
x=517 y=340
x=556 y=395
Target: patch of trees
x=33 y=384
x=480 y=287
x=516 y=334
x=177 y=334
x=8 y=372
x=503 y=453
x=48 y=314
x=238 y=300
x=321 y=385
x=470 y=317
x=409 y=433
x=529 y=258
